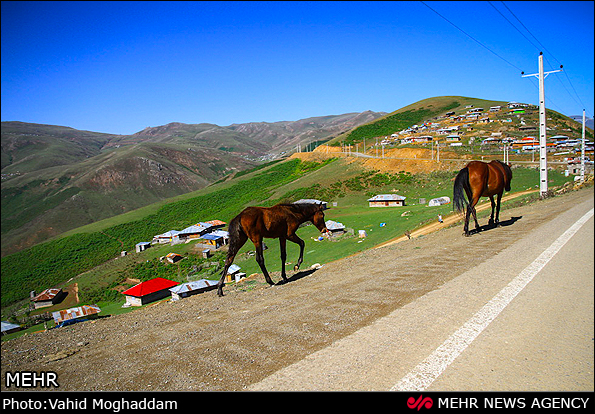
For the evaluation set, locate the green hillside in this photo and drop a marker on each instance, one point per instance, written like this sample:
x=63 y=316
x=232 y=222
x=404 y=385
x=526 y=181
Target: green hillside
x=409 y=115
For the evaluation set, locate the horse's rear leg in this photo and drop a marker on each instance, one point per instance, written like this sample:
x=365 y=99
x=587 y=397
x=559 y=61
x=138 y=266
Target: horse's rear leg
x=294 y=238
x=491 y=221
x=234 y=247
x=471 y=210
x=499 y=199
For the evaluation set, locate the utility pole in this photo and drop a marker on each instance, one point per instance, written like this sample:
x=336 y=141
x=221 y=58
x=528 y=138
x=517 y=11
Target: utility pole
x=583 y=151
x=542 y=130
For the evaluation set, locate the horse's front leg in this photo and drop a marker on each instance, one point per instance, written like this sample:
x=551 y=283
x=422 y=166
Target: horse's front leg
x=260 y=261
x=283 y=246
x=294 y=238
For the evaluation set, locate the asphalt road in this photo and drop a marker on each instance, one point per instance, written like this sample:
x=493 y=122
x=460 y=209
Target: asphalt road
x=539 y=339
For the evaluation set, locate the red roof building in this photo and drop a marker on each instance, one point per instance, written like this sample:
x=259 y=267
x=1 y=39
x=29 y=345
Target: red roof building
x=149 y=291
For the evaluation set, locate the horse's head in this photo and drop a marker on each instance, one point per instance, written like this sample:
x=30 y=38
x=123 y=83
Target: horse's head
x=318 y=218
x=508 y=174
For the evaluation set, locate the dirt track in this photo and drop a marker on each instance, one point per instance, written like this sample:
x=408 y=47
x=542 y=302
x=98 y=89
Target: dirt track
x=211 y=343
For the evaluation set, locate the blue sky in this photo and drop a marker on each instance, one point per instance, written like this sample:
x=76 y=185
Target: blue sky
x=119 y=67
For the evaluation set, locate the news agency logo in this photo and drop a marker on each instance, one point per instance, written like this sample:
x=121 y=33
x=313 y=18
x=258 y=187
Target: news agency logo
x=420 y=403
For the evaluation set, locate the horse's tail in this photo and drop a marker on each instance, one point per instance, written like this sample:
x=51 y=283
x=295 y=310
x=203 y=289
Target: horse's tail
x=459 y=202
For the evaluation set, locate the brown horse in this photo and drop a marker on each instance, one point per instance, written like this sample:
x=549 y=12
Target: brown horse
x=280 y=221
x=480 y=179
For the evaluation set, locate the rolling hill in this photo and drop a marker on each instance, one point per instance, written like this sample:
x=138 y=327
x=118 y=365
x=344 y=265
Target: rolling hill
x=57 y=178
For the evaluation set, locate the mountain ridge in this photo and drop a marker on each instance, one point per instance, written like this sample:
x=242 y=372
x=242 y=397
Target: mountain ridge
x=56 y=178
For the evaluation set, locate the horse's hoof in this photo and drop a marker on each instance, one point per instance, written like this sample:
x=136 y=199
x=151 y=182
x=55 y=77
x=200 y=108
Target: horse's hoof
x=296 y=268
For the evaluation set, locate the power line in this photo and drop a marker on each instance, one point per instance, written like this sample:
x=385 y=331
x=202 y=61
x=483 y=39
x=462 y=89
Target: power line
x=580 y=102
x=516 y=28
x=472 y=38
x=528 y=31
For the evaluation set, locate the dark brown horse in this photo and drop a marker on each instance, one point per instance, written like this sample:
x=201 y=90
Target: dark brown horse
x=280 y=221
x=480 y=179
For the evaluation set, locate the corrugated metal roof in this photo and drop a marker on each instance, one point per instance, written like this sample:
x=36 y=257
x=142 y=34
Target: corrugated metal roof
x=194 y=285
x=333 y=225
x=211 y=236
x=387 y=197
x=7 y=326
x=222 y=233
x=47 y=294
x=196 y=228
x=150 y=286
x=167 y=234
x=73 y=313
x=216 y=222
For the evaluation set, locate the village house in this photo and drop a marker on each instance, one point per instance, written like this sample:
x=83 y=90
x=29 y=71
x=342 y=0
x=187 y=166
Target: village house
x=387 y=200
x=212 y=240
x=142 y=246
x=166 y=237
x=85 y=311
x=48 y=297
x=173 y=257
x=423 y=139
x=149 y=291
x=192 y=288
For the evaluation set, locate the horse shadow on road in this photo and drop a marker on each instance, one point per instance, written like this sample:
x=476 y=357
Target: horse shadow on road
x=296 y=276
x=504 y=223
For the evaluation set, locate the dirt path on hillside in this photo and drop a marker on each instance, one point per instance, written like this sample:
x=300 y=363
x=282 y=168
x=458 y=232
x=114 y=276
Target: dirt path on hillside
x=207 y=343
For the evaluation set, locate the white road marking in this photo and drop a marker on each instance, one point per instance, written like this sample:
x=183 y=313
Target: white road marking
x=422 y=376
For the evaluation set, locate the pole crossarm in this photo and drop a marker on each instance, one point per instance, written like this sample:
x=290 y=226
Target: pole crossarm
x=544 y=74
